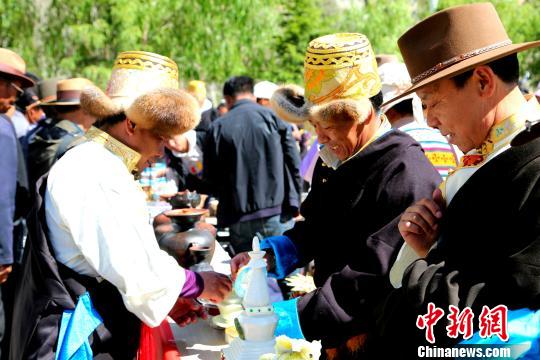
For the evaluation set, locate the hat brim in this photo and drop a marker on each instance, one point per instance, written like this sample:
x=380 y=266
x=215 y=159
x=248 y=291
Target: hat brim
x=61 y=103
x=25 y=80
x=95 y=102
x=289 y=104
x=466 y=65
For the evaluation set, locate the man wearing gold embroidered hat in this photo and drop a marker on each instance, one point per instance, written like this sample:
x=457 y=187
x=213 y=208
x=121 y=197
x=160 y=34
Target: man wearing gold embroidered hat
x=101 y=271
x=485 y=220
x=367 y=175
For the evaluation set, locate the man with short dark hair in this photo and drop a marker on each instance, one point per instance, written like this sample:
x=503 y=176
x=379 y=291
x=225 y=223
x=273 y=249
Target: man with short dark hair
x=252 y=164
x=478 y=236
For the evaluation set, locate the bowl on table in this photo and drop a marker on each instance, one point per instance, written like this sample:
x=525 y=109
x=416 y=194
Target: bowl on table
x=186 y=218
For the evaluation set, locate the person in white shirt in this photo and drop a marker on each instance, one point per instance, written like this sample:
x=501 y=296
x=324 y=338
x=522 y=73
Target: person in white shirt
x=98 y=226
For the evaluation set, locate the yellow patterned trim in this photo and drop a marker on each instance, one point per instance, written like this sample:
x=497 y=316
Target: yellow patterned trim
x=439 y=158
x=129 y=157
x=339 y=42
x=368 y=86
x=146 y=61
x=340 y=66
x=325 y=62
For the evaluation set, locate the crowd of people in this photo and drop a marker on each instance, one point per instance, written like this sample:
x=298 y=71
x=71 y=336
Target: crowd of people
x=422 y=182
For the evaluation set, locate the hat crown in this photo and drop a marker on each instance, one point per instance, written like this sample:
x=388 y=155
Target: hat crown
x=72 y=84
x=47 y=89
x=449 y=36
x=264 y=89
x=13 y=60
x=13 y=65
x=137 y=72
x=68 y=91
x=340 y=66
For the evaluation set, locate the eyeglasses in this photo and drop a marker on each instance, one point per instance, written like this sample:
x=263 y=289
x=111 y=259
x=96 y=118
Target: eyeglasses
x=17 y=88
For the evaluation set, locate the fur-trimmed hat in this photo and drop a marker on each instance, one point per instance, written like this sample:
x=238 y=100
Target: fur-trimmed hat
x=145 y=86
x=165 y=111
x=134 y=73
x=340 y=75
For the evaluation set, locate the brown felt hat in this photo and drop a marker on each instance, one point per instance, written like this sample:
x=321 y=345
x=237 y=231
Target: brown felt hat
x=453 y=41
x=68 y=92
x=13 y=65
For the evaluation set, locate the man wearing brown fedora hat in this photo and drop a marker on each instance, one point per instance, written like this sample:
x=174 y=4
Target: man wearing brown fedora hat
x=478 y=236
x=92 y=241
x=50 y=142
x=13 y=185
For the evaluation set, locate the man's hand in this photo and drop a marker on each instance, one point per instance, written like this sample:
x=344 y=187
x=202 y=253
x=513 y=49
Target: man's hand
x=419 y=224
x=241 y=259
x=216 y=286
x=5 y=270
x=178 y=143
x=186 y=311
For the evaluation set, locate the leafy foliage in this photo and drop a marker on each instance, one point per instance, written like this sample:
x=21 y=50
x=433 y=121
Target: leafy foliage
x=214 y=39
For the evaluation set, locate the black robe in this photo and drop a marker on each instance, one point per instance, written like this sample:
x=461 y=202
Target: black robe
x=488 y=254
x=351 y=231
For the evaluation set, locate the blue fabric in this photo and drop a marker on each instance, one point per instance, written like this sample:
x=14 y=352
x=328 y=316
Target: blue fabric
x=76 y=326
x=241 y=282
x=289 y=322
x=523 y=329
x=8 y=188
x=285 y=254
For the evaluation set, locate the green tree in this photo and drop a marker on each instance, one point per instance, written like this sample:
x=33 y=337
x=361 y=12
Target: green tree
x=17 y=29
x=301 y=21
x=214 y=39
x=382 y=22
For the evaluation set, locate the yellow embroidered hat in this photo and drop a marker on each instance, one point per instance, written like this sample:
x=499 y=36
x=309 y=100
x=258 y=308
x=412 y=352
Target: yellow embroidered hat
x=134 y=73
x=339 y=70
x=145 y=87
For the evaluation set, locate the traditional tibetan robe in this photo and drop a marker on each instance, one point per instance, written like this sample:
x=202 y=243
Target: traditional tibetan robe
x=488 y=252
x=93 y=235
x=350 y=231
x=498 y=141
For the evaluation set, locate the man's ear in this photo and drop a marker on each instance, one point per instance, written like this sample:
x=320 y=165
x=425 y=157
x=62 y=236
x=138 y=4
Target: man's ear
x=229 y=101
x=130 y=126
x=484 y=79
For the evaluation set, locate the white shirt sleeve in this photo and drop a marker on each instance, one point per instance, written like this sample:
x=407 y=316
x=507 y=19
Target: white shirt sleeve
x=193 y=151
x=101 y=227
x=406 y=257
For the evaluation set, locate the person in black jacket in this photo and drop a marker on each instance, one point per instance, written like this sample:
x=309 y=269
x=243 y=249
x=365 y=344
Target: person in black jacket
x=252 y=165
x=477 y=238
x=367 y=175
